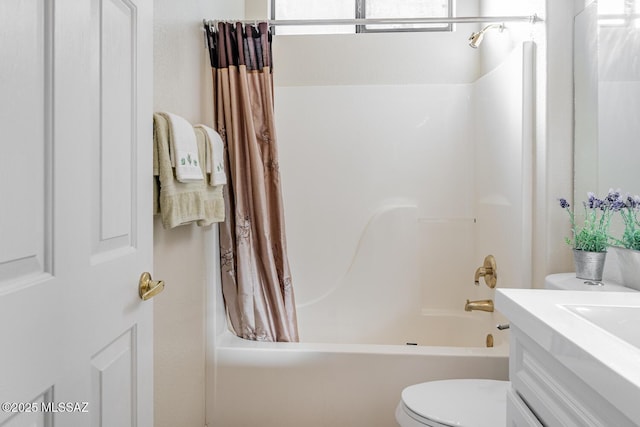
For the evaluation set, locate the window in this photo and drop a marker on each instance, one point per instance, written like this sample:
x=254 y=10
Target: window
x=350 y=9
x=617 y=12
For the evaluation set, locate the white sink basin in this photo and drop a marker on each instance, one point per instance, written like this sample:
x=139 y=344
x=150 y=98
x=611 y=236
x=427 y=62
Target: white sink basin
x=622 y=322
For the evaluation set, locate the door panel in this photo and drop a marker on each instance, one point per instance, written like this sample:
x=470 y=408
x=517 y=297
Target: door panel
x=33 y=419
x=75 y=217
x=24 y=112
x=117 y=121
x=113 y=382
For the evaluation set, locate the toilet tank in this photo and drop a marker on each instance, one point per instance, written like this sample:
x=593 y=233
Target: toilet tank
x=569 y=282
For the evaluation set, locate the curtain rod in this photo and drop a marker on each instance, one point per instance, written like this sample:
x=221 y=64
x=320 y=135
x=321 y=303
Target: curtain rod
x=388 y=21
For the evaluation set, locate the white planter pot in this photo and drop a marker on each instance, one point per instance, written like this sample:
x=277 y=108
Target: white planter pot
x=629 y=262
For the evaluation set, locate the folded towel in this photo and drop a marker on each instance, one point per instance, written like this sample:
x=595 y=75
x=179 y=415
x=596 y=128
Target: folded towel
x=182 y=203
x=183 y=149
x=215 y=156
x=213 y=202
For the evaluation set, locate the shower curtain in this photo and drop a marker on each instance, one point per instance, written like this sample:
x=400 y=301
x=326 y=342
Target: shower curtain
x=256 y=282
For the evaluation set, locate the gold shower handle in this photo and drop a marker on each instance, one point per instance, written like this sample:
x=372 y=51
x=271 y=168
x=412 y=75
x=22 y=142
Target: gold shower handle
x=148 y=288
x=489 y=271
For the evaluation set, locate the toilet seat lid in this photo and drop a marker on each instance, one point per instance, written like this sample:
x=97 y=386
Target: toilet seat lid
x=459 y=403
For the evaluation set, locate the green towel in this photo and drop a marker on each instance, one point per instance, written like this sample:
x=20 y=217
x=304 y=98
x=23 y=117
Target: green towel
x=182 y=203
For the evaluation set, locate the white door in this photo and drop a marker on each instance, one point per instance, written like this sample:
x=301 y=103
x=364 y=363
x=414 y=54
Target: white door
x=75 y=213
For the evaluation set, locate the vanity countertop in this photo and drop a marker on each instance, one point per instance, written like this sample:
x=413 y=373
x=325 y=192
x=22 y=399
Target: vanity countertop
x=596 y=335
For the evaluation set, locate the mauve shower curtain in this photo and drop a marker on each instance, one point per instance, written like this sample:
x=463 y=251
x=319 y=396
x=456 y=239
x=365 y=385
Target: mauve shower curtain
x=256 y=282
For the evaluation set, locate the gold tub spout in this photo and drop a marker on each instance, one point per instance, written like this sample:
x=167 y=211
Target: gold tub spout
x=482 y=305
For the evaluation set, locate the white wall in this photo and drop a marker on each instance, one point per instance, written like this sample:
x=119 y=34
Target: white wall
x=493 y=52
x=554 y=142
x=181 y=256
x=503 y=113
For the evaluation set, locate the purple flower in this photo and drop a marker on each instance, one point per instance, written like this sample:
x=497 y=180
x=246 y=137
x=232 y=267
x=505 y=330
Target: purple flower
x=617 y=204
x=614 y=194
x=594 y=203
x=563 y=203
x=629 y=202
x=633 y=202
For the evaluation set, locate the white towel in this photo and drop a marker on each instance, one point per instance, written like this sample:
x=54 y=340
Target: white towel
x=184 y=149
x=215 y=156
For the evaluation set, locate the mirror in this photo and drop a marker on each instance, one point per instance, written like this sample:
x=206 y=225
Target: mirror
x=607 y=98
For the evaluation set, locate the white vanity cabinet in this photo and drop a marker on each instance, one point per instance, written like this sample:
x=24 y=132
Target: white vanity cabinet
x=565 y=370
x=553 y=394
x=518 y=413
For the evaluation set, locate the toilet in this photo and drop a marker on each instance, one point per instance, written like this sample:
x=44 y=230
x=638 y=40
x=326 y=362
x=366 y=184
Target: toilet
x=448 y=403
x=473 y=402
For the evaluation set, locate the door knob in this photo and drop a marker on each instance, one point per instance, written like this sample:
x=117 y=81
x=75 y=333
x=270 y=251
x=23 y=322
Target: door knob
x=148 y=288
x=489 y=271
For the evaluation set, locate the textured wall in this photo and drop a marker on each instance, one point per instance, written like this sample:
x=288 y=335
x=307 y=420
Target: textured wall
x=182 y=85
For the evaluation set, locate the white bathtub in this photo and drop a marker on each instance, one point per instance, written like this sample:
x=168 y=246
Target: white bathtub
x=349 y=385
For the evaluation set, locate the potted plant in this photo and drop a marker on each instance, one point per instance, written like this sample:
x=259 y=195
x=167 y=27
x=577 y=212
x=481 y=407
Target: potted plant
x=628 y=247
x=629 y=213
x=591 y=233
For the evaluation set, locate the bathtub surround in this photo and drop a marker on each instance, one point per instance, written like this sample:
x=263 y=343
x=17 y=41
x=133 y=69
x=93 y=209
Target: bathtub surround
x=256 y=282
x=429 y=178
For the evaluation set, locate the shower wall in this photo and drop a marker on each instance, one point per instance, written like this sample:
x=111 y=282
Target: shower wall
x=396 y=189
x=504 y=120
x=377 y=184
